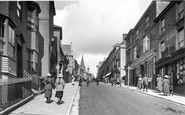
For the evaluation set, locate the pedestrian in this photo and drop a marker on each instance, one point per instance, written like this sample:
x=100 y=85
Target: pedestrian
x=48 y=86
x=140 y=82
x=73 y=80
x=166 y=85
x=159 y=83
x=80 y=81
x=59 y=84
x=145 y=83
x=171 y=88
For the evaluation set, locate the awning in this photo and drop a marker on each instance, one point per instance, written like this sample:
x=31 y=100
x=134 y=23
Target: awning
x=107 y=75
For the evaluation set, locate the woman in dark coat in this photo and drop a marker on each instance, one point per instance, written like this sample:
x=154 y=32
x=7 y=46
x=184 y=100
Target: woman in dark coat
x=166 y=84
x=49 y=83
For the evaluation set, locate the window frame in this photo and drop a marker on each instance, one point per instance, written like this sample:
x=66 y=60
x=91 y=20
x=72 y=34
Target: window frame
x=163 y=26
x=180 y=10
x=11 y=42
x=19 y=9
x=2 y=29
x=181 y=40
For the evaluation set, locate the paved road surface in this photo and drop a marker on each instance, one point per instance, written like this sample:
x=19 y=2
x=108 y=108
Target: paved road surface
x=112 y=100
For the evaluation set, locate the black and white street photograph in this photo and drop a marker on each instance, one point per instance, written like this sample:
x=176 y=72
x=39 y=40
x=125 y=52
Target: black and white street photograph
x=92 y=57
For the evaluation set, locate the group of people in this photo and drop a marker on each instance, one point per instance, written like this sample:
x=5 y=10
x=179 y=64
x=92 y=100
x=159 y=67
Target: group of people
x=164 y=85
x=58 y=84
x=143 y=83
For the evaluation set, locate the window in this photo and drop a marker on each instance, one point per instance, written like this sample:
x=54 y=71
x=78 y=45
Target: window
x=11 y=42
x=162 y=46
x=32 y=61
x=19 y=8
x=135 y=53
x=30 y=19
x=180 y=10
x=181 y=38
x=146 y=44
x=2 y=21
x=147 y=23
x=180 y=66
x=162 y=26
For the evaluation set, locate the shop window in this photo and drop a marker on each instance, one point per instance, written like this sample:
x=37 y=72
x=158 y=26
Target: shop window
x=11 y=42
x=2 y=22
x=181 y=38
x=180 y=71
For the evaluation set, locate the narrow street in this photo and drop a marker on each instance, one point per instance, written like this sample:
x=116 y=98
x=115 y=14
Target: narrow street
x=112 y=100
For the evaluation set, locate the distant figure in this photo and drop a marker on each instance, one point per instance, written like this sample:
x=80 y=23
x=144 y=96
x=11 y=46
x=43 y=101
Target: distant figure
x=80 y=81
x=140 y=82
x=166 y=85
x=159 y=83
x=87 y=80
x=97 y=81
x=73 y=80
x=145 y=83
x=59 y=84
x=48 y=86
x=171 y=88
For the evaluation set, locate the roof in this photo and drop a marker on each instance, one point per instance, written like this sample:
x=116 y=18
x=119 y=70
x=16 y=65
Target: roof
x=66 y=49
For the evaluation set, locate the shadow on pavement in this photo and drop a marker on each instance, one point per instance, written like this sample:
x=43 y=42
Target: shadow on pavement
x=61 y=102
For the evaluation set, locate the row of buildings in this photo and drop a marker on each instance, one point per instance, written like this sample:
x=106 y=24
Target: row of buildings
x=155 y=45
x=30 y=47
x=113 y=67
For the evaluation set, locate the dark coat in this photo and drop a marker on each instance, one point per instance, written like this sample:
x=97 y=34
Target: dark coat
x=49 y=83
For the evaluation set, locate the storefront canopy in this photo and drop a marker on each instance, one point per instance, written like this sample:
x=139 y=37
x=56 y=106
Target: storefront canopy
x=107 y=75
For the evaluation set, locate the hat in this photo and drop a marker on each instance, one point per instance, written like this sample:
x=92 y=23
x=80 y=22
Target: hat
x=60 y=75
x=49 y=74
x=166 y=76
x=159 y=75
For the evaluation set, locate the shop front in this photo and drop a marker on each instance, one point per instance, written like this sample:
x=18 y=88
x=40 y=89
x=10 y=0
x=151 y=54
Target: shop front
x=174 y=66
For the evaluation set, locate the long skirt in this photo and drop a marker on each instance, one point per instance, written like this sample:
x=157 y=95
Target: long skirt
x=59 y=94
x=166 y=89
x=48 y=93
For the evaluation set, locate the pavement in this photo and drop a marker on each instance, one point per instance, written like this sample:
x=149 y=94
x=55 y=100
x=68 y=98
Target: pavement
x=70 y=104
x=38 y=105
x=176 y=98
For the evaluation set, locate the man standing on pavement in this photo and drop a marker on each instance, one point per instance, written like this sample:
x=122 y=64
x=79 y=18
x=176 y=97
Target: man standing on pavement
x=145 y=83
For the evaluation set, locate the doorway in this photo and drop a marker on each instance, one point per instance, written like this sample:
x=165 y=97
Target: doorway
x=19 y=61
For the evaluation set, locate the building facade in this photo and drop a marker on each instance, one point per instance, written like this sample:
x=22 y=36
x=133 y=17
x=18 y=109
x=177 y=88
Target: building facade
x=171 y=56
x=19 y=51
x=141 y=41
x=114 y=65
x=46 y=29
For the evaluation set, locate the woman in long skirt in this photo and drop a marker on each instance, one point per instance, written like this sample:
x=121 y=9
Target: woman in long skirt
x=159 y=83
x=60 y=84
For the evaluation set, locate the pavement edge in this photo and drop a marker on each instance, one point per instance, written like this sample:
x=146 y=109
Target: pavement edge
x=157 y=96
x=70 y=105
x=17 y=105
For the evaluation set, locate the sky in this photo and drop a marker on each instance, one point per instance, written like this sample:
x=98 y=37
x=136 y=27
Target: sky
x=94 y=26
